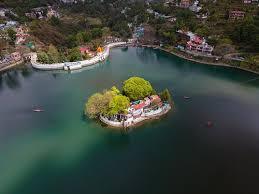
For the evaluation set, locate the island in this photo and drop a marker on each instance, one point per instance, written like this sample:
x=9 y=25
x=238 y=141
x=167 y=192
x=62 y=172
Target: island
x=135 y=103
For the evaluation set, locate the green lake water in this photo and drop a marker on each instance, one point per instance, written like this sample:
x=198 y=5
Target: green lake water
x=59 y=151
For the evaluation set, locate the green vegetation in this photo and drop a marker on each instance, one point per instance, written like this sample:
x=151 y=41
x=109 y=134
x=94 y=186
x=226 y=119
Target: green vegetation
x=165 y=95
x=112 y=102
x=109 y=102
x=137 y=88
x=12 y=35
x=118 y=105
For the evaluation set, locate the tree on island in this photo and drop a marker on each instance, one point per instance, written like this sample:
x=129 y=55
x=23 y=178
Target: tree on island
x=165 y=95
x=118 y=105
x=98 y=104
x=108 y=103
x=137 y=88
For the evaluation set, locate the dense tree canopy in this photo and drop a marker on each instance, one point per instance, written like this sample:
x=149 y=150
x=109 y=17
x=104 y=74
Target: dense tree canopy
x=137 y=88
x=109 y=102
x=118 y=105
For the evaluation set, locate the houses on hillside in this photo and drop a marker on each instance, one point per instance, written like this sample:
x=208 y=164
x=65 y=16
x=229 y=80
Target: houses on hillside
x=21 y=34
x=236 y=15
x=195 y=7
x=196 y=43
x=11 y=58
x=250 y=1
x=43 y=13
x=86 y=51
x=8 y=24
x=4 y=12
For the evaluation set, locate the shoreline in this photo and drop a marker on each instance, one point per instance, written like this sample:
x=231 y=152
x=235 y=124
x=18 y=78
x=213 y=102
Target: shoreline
x=200 y=61
x=138 y=121
x=10 y=66
x=105 y=55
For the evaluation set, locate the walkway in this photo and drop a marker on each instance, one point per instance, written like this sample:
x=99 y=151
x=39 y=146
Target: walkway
x=78 y=64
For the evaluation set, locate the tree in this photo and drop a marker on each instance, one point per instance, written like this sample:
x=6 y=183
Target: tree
x=74 y=55
x=53 y=54
x=118 y=105
x=54 y=21
x=12 y=34
x=96 y=32
x=94 y=105
x=2 y=46
x=137 y=88
x=43 y=57
x=99 y=104
x=115 y=90
x=165 y=95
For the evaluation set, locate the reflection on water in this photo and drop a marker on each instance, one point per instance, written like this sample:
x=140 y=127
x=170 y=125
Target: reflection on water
x=12 y=78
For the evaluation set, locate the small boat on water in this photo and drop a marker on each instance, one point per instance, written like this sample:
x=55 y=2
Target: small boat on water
x=209 y=124
x=187 y=97
x=38 y=110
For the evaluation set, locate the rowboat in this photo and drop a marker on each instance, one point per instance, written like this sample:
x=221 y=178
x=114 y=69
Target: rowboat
x=38 y=110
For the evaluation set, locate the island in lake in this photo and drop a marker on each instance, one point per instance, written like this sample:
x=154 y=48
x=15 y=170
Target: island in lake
x=137 y=102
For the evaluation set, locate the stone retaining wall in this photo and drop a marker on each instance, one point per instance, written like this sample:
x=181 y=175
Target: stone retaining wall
x=62 y=66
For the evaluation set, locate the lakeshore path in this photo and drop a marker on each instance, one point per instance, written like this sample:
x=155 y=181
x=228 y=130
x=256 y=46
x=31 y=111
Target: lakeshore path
x=201 y=61
x=78 y=64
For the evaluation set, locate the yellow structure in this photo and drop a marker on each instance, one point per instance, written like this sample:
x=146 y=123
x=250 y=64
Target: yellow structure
x=99 y=49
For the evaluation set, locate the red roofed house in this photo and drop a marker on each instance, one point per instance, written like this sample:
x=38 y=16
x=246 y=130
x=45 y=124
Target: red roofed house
x=139 y=106
x=197 y=43
x=86 y=51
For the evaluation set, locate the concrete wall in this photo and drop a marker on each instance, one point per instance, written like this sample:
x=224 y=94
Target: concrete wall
x=94 y=60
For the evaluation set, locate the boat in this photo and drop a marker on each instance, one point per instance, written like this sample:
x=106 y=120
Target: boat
x=38 y=110
x=187 y=97
x=209 y=124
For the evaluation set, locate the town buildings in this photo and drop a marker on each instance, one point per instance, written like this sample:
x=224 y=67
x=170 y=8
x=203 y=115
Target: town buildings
x=250 y=1
x=236 y=15
x=12 y=58
x=21 y=35
x=196 y=43
x=42 y=13
x=184 y=4
x=195 y=7
x=8 y=24
x=86 y=51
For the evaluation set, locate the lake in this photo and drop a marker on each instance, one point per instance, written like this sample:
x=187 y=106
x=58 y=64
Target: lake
x=60 y=151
